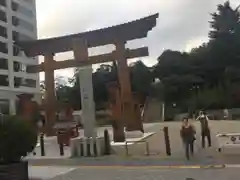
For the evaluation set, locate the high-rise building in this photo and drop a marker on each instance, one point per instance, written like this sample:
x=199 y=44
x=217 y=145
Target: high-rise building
x=17 y=23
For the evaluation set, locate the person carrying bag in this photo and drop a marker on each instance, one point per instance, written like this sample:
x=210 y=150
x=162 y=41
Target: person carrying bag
x=187 y=134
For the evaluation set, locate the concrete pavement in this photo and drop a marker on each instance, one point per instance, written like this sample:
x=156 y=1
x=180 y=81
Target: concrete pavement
x=150 y=174
x=156 y=146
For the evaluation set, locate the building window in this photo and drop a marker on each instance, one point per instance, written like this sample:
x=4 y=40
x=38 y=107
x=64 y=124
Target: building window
x=16 y=50
x=29 y=83
x=21 y=9
x=17 y=22
x=4 y=106
x=3 y=32
x=28 y=1
x=3 y=48
x=3 y=63
x=3 y=3
x=19 y=67
x=4 y=80
x=20 y=37
x=17 y=82
x=16 y=66
x=3 y=16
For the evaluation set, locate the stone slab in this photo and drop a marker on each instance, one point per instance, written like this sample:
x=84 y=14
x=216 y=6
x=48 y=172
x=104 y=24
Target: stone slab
x=47 y=172
x=132 y=140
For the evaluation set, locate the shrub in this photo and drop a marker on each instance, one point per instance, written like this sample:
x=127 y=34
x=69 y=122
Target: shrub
x=17 y=138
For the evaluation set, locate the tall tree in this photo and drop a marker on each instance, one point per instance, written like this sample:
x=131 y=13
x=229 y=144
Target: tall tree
x=224 y=22
x=141 y=78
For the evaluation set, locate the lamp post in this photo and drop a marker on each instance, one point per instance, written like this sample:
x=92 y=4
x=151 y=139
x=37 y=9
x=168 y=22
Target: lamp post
x=1 y=116
x=194 y=91
x=157 y=82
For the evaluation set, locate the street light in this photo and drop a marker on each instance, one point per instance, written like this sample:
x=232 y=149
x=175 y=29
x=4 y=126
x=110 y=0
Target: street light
x=1 y=116
x=156 y=82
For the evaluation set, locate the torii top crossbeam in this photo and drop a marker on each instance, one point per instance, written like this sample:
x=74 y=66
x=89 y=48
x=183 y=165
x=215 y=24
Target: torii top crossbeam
x=129 y=31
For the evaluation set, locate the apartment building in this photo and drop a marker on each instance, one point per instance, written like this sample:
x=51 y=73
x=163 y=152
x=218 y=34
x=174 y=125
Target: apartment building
x=17 y=23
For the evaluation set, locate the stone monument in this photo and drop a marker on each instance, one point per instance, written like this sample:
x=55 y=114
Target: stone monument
x=87 y=101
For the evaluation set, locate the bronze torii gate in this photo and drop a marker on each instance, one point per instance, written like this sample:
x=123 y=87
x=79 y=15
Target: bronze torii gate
x=79 y=43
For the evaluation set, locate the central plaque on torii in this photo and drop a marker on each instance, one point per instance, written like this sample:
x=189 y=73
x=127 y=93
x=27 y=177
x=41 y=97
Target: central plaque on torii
x=79 y=44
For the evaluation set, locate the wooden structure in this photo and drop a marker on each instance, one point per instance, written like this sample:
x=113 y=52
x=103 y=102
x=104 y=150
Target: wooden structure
x=28 y=109
x=79 y=44
x=115 y=107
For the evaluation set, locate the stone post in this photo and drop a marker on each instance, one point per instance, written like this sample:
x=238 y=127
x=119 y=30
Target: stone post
x=12 y=106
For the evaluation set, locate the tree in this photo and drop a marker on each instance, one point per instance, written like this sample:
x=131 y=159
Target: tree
x=225 y=21
x=178 y=74
x=141 y=78
x=212 y=65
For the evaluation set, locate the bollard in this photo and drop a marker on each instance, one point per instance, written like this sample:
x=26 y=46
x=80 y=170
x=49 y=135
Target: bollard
x=126 y=148
x=88 y=141
x=167 y=141
x=61 y=149
x=95 y=148
x=147 y=149
x=82 y=149
x=42 y=144
x=107 y=149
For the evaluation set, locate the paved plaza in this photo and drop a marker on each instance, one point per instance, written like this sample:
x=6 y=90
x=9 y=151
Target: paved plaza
x=119 y=164
x=156 y=146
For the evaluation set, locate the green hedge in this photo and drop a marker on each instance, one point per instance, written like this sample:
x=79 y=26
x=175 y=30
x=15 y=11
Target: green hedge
x=17 y=138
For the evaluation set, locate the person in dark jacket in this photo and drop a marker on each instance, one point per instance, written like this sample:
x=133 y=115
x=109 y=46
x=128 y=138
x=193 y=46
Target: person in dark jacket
x=205 y=130
x=187 y=133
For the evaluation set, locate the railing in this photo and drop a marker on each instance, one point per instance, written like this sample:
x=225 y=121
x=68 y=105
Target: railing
x=137 y=142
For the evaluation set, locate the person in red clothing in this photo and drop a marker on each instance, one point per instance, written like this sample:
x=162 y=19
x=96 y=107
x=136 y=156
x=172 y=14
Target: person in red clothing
x=187 y=133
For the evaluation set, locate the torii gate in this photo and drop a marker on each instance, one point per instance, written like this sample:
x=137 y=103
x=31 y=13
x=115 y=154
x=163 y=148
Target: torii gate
x=79 y=44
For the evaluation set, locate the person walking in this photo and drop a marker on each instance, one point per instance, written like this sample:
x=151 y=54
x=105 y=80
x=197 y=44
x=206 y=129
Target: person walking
x=187 y=134
x=205 y=130
x=225 y=114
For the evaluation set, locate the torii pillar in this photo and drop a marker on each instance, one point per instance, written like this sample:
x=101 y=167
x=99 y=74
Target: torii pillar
x=50 y=98
x=131 y=122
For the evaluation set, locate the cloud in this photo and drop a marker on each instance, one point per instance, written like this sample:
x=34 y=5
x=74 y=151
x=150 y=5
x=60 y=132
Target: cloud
x=182 y=24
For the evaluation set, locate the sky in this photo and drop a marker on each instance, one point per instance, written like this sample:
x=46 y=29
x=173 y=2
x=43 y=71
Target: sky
x=182 y=24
